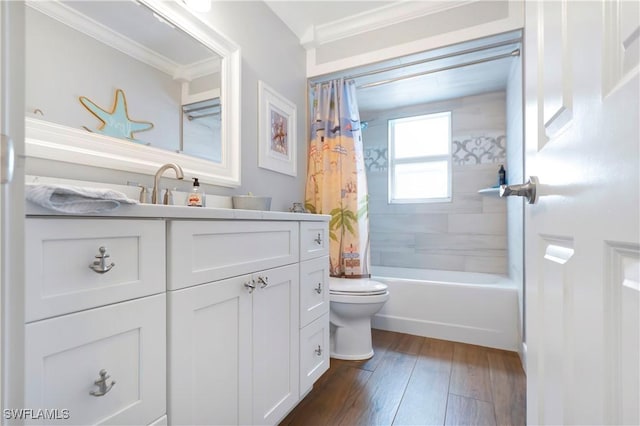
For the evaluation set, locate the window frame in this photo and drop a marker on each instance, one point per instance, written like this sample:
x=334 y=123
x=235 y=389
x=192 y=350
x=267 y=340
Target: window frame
x=393 y=161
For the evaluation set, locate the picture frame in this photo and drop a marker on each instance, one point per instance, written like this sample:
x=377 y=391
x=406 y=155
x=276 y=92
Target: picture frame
x=277 y=139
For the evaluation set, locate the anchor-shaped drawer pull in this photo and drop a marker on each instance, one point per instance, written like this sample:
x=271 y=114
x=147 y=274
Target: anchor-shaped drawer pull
x=100 y=265
x=101 y=383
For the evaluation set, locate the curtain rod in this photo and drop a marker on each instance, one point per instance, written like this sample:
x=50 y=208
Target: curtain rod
x=195 y=117
x=424 y=61
x=514 y=53
x=185 y=108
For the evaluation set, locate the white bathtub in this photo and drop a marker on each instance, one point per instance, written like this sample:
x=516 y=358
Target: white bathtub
x=480 y=309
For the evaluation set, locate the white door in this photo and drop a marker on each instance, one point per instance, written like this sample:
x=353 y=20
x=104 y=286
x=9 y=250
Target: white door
x=582 y=237
x=12 y=203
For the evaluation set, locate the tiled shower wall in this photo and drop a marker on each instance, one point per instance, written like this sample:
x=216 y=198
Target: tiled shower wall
x=470 y=232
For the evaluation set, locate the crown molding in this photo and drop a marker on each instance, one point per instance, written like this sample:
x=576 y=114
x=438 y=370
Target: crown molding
x=514 y=21
x=374 y=19
x=76 y=20
x=197 y=69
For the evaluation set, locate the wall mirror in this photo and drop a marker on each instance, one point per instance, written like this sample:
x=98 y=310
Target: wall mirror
x=131 y=85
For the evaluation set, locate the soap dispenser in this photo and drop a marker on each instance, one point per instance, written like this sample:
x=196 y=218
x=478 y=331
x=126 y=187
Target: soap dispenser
x=196 y=196
x=502 y=176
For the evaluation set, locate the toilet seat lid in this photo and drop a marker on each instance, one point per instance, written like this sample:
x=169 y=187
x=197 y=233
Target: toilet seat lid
x=356 y=286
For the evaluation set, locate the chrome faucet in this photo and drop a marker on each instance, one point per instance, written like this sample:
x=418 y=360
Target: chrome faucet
x=155 y=198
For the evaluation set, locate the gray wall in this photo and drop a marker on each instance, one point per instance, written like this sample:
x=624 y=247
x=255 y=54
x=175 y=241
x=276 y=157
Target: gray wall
x=270 y=52
x=467 y=234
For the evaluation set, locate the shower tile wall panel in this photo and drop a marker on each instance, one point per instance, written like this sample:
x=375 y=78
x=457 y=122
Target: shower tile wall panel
x=462 y=203
x=483 y=223
x=493 y=205
x=463 y=241
x=395 y=224
x=426 y=261
x=467 y=234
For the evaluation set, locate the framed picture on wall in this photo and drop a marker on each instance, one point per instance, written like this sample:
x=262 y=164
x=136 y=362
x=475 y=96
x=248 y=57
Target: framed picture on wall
x=276 y=131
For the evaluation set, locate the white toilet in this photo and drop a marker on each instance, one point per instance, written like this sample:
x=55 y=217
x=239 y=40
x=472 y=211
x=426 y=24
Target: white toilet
x=353 y=301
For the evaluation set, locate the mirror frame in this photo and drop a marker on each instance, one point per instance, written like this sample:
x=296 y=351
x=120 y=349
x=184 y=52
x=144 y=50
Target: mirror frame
x=53 y=141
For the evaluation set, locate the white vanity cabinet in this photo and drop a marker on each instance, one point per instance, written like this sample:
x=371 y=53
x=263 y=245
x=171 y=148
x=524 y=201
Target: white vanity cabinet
x=180 y=320
x=95 y=338
x=314 y=303
x=233 y=340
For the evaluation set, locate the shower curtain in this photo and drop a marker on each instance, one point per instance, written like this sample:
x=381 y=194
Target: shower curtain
x=336 y=179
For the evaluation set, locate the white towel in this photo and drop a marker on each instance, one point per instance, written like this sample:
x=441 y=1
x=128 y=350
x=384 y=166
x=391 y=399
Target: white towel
x=75 y=199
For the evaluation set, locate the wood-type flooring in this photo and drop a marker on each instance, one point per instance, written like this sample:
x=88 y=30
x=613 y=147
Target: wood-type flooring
x=414 y=380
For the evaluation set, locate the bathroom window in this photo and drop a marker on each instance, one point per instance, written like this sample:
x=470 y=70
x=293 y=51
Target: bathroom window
x=420 y=158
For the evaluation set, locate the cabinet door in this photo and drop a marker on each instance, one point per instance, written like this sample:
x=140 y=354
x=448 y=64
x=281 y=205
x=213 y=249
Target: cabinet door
x=314 y=289
x=275 y=343
x=65 y=355
x=210 y=353
x=314 y=240
x=314 y=352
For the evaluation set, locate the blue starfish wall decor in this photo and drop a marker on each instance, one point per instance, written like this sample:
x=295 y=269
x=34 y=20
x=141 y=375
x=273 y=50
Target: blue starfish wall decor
x=117 y=122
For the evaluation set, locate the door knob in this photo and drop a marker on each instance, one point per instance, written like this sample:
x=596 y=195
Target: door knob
x=527 y=190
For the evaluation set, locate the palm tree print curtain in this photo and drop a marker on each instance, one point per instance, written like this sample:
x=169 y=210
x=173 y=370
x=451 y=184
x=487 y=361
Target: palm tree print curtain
x=336 y=180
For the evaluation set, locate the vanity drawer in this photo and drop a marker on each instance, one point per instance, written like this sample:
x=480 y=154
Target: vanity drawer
x=314 y=239
x=314 y=352
x=61 y=253
x=314 y=289
x=201 y=252
x=65 y=355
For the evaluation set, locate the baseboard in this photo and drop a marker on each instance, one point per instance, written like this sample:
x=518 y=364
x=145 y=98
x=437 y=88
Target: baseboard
x=492 y=338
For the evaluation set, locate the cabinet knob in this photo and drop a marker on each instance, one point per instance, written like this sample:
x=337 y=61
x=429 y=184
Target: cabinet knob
x=318 y=351
x=250 y=286
x=100 y=264
x=101 y=383
x=264 y=281
x=319 y=288
x=318 y=239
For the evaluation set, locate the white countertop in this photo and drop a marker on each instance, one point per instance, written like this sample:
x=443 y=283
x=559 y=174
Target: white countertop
x=150 y=211
x=220 y=206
